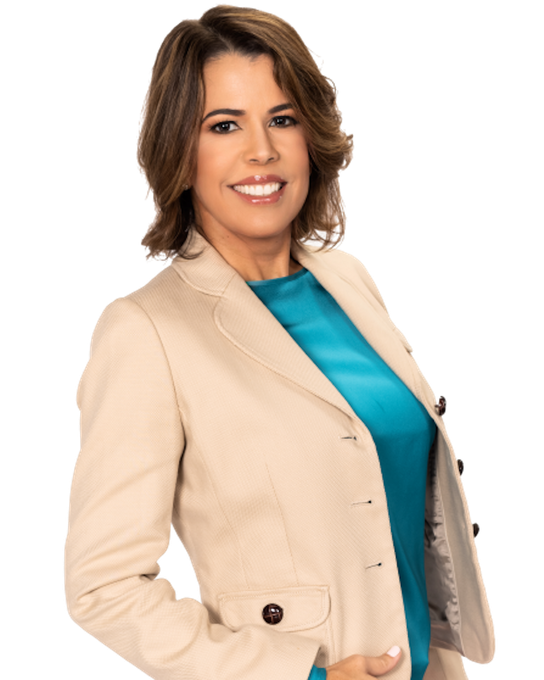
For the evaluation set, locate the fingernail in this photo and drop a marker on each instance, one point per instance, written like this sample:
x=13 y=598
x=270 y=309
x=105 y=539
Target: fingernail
x=394 y=650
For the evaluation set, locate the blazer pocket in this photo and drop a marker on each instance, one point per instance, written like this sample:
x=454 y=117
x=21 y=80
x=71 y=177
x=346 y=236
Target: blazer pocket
x=301 y=609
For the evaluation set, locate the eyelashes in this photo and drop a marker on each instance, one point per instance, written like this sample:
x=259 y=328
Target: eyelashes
x=224 y=127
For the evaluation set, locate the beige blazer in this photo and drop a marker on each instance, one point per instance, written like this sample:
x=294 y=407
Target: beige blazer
x=199 y=410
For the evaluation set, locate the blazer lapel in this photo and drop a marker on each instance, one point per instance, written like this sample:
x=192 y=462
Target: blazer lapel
x=367 y=315
x=247 y=323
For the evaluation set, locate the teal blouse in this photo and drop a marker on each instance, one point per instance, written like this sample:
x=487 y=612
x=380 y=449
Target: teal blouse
x=401 y=428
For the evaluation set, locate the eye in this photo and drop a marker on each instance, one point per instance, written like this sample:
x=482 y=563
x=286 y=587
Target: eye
x=216 y=127
x=213 y=128
x=289 y=118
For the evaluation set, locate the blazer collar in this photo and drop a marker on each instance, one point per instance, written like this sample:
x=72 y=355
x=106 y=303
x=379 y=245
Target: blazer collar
x=241 y=316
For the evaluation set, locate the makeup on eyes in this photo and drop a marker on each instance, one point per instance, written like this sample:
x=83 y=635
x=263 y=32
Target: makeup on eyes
x=240 y=112
x=212 y=126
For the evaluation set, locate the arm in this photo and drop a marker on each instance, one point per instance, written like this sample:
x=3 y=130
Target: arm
x=122 y=495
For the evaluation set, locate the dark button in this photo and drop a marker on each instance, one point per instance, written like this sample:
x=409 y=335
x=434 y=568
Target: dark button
x=461 y=466
x=272 y=613
x=440 y=408
x=476 y=529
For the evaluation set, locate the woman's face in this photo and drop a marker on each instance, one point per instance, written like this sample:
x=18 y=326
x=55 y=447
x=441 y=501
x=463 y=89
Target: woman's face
x=253 y=167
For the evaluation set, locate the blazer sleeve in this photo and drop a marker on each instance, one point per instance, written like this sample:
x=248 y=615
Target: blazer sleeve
x=121 y=500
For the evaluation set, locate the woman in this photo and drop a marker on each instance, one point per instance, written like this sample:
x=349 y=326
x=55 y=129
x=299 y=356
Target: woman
x=257 y=395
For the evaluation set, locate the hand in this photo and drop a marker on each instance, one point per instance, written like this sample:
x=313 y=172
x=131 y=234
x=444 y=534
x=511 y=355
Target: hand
x=358 y=667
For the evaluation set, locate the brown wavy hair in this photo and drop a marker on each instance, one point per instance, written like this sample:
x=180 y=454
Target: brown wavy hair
x=174 y=106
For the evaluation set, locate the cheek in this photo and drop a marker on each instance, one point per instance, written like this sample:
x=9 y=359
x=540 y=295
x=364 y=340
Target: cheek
x=210 y=167
x=301 y=156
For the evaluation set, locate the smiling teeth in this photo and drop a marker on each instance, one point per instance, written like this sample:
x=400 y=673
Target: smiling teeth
x=257 y=189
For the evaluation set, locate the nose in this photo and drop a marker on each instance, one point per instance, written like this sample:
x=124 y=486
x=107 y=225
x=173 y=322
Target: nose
x=260 y=149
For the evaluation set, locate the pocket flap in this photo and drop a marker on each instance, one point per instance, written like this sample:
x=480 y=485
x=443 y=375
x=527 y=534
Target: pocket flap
x=303 y=607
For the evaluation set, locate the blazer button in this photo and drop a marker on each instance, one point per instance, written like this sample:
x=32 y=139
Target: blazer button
x=440 y=408
x=476 y=529
x=461 y=466
x=272 y=613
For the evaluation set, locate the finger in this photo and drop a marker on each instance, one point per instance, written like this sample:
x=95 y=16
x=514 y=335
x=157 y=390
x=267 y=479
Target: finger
x=379 y=665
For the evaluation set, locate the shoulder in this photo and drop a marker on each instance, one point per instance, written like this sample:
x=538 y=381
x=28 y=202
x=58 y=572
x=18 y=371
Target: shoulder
x=138 y=304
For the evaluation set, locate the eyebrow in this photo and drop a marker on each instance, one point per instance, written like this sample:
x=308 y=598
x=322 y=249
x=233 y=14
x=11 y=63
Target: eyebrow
x=240 y=112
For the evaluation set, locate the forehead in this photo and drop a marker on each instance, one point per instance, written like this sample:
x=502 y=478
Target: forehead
x=236 y=81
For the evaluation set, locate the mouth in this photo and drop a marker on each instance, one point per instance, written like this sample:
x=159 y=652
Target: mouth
x=258 y=189
x=260 y=184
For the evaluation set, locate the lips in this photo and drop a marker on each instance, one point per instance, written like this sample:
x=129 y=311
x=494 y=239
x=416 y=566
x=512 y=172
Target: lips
x=260 y=179
x=255 y=201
